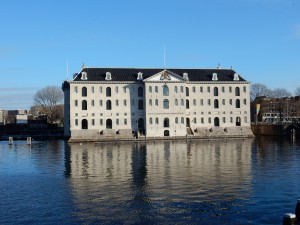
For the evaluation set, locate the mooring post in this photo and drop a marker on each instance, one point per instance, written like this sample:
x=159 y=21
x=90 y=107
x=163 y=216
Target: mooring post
x=289 y=219
x=29 y=140
x=10 y=141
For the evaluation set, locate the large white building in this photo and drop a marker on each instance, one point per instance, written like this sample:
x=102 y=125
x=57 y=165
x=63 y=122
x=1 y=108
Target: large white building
x=127 y=103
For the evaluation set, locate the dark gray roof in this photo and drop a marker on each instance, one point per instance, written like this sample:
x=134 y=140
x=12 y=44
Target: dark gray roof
x=130 y=74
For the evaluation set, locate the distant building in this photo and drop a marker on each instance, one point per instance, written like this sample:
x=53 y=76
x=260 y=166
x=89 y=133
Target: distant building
x=276 y=110
x=2 y=116
x=16 y=117
x=154 y=103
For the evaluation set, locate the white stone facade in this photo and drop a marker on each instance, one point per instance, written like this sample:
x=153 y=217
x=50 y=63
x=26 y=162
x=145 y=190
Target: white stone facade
x=164 y=104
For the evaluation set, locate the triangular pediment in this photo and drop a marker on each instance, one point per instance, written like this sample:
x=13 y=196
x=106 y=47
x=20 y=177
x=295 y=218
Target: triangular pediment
x=165 y=76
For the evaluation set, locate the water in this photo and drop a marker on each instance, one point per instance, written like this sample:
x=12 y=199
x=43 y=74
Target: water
x=250 y=181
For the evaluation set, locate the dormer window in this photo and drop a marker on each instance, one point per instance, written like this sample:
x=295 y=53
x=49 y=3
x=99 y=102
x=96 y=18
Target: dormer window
x=83 y=75
x=215 y=76
x=140 y=76
x=108 y=76
x=236 y=77
x=185 y=76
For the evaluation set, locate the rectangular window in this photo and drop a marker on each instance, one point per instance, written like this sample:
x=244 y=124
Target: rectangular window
x=92 y=103
x=195 y=120
x=124 y=102
x=208 y=101
x=117 y=89
x=117 y=121
x=100 y=102
x=194 y=89
x=231 y=120
x=156 y=89
x=125 y=121
x=230 y=101
x=194 y=102
x=224 y=120
x=202 y=120
x=223 y=101
x=244 y=89
x=93 y=122
x=76 y=103
x=201 y=89
x=223 y=89
x=150 y=102
x=208 y=89
x=76 y=122
x=201 y=102
x=101 y=122
x=76 y=89
x=117 y=102
x=93 y=89
x=100 y=89
x=150 y=89
x=209 y=120
x=245 y=101
x=230 y=89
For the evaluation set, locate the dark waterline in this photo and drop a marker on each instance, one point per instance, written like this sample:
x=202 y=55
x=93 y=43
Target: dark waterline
x=250 y=181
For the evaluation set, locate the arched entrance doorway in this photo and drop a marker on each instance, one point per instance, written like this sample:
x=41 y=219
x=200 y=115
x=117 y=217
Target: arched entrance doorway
x=166 y=133
x=216 y=122
x=108 y=124
x=84 y=124
x=188 y=123
x=141 y=126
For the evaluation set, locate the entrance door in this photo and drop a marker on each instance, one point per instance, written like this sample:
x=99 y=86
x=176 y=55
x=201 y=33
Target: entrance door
x=166 y=133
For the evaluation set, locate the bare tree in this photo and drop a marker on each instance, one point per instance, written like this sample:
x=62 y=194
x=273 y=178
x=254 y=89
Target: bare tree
x=257 y=90
x=48 y=98
x=297 y=91
x=281 y=93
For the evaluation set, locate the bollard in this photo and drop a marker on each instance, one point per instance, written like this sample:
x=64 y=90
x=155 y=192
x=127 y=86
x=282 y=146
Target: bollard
x=10 y=140
x=289 y=219
x=29 y=140
x=297 y=210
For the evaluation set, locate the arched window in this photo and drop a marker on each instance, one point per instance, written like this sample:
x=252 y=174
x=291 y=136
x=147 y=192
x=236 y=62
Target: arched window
x=140 y=92
x=156 y=120
x=150 y=120
x=182 y=102
x=108 y=92
x=84 y=124
x=166 y=103
x=187 y=92
x=187 y=102
x=176 y=120
x=181 y=89
x=156 y=89
x=108 y=105
x=150 y=89
x=84 y=105
x=166 y=122
x=165 y=90
x=84 y=91
x=237 y=91
x=182 y=120
x=176 y=102
x=237 y=103
x=156 y=102
x=150 y=102
x=141 y=104
x=216 y=122
x=216 y=103
x=108 y=124
x=216 y=91
x=175 y=89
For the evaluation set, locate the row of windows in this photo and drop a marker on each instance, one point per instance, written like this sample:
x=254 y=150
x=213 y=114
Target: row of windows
x=165 y=103
x=165 y=90
x=166 y=121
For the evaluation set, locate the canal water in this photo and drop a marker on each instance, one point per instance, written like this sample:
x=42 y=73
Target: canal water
x=241 y=181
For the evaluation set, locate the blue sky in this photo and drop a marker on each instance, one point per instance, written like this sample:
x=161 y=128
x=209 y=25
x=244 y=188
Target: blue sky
x=259 y=38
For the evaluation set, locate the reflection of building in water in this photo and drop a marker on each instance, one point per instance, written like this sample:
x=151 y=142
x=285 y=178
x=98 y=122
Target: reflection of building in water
x=135 y=175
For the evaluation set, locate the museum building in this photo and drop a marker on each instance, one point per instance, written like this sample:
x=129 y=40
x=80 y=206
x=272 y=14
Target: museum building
x=131 y=103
